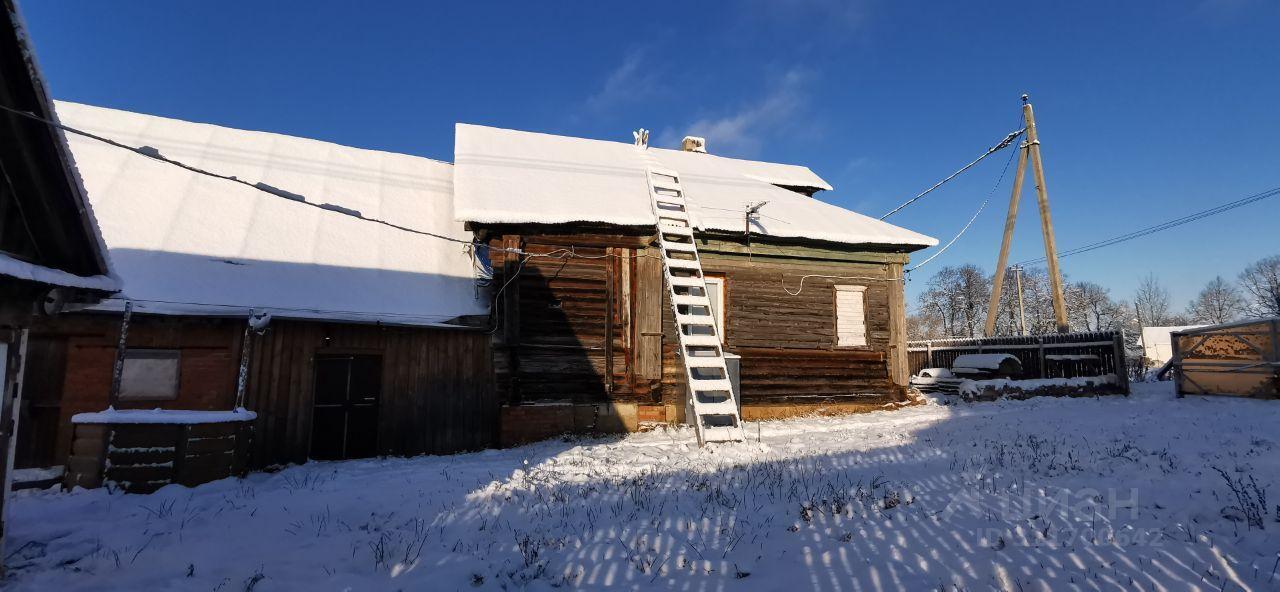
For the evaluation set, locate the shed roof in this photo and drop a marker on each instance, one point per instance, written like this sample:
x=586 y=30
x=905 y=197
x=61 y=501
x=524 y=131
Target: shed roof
x=189 y=244
x=64 y=246
x=509 y=176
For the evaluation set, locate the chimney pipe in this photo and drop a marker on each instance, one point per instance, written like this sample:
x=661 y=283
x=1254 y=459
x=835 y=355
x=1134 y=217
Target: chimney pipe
x=694 y=144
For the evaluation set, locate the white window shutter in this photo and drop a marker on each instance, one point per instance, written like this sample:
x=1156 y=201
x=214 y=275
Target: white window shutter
x=851 y=316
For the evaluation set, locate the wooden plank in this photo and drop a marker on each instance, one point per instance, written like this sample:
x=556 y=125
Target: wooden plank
x=610 y=290
x=898 y=367
x=650 y=290
x=758 y=249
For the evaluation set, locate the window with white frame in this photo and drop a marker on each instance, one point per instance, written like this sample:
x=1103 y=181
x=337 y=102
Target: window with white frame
x=851 y=316
x=715 y=293
x=150 y=375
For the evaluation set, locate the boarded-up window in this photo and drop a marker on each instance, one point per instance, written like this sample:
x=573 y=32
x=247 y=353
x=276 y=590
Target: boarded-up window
x=715 y=293
x=851 y=316
x=150 y=375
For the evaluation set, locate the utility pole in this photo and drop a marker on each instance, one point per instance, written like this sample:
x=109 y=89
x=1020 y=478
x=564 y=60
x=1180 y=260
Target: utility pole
x=1022 y=314
x=1029 y=150
x=1010 y=221
x=1046 y=222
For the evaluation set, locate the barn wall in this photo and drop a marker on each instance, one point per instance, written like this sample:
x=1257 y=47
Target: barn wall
x=437 y=383
x=81 y=351
x=596 y=332
x=437 y=390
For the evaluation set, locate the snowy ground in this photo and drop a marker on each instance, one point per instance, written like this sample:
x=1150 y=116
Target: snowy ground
x=1112 y=493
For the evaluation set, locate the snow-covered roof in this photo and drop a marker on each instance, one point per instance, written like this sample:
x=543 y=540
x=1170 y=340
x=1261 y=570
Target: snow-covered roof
x=983 y=361
x=1157 y=342
x=508 y=176
x=186 y=243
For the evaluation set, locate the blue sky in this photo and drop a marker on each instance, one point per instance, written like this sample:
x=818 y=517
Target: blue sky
x=1147 y=110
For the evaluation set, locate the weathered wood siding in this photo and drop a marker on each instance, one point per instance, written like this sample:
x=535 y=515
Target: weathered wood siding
x=788 y=343
x=437 y=387
x=553 y=344
x=437 y=392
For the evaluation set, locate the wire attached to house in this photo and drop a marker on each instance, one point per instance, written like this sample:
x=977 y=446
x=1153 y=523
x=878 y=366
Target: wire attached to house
x=992 y=150
x=832 y=277
x=154 y=154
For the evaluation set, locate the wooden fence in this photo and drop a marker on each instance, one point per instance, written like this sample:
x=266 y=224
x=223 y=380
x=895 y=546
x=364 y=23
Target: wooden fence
x=1058 y=355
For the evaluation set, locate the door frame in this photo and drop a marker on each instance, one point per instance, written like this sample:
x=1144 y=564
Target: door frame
x=349 y=354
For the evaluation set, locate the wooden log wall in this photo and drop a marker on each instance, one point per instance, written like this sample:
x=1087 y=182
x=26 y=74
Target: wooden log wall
x=788 y=343
x=600 y=329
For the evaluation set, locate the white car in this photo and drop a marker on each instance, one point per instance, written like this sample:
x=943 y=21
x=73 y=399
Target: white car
x=929 y=380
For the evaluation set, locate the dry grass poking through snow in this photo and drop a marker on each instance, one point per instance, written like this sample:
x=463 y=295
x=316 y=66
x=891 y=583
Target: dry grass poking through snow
x=1146 y=492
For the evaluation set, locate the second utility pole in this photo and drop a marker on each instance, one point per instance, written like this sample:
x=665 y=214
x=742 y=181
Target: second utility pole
x=1030 y=149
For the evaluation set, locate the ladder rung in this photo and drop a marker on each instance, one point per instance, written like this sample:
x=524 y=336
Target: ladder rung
x=699 y=320
x=681 y=247
x=722 y=434
x=674 y=217
x=677 y=230
x=699 y=339
x=704 y=361
x=713 y=384
x=683 y=300
x=682 y=264
x=726 y=407
x=688 y=282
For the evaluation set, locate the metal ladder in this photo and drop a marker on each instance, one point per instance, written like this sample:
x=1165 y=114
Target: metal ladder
x=711 y=398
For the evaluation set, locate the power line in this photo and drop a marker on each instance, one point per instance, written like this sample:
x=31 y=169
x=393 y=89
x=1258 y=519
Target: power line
x=981 y=207
x=1244 y=201
x=992 y=150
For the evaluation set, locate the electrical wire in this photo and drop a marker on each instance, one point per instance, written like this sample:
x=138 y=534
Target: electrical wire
x=981 y=207
x=832 y=277
x=155 y=155
x=1202 y=214
x=992 y=150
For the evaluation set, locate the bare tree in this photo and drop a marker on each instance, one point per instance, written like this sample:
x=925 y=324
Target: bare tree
x=922 y=325
x=1153 y=302
x=1218 y=302
x=955 y=302
x=1090 y=308
x=1261 y=283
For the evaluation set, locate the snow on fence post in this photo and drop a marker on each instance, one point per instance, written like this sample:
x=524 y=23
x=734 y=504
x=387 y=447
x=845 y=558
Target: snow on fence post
x=928 y=348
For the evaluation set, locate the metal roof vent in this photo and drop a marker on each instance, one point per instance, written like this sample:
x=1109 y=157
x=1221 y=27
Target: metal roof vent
x=694 y=144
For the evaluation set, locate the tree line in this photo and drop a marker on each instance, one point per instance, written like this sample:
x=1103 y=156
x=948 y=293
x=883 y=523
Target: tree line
x=955 y=303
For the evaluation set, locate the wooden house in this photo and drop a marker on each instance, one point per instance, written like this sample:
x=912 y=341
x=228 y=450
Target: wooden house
x=340 y=337
x=50 y=250
x=810 y=295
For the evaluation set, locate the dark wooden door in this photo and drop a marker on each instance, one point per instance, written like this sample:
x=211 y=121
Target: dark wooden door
x=41 y=401
x=345 y=420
